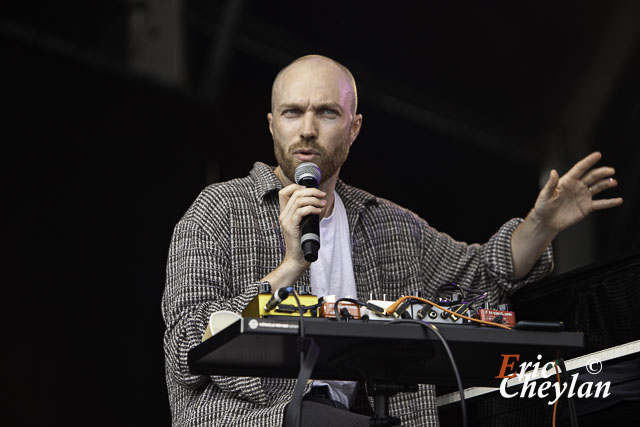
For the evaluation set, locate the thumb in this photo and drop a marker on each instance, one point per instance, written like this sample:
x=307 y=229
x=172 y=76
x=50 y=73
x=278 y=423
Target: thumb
x=549 y=188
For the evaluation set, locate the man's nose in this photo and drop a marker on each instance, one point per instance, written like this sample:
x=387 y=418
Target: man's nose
x=309 y=130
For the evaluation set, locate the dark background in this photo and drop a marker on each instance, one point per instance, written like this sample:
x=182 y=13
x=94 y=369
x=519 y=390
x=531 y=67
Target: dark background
x=117 y=113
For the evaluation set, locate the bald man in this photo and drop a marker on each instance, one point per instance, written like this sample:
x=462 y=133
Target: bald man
x=243 y=233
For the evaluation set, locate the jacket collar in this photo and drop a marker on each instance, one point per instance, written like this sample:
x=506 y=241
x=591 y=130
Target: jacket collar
x=267 y=182
x=353 y=198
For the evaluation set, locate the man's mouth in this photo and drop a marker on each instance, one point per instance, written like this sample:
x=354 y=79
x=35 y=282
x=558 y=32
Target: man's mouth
x=306 y=154
x=306 y=151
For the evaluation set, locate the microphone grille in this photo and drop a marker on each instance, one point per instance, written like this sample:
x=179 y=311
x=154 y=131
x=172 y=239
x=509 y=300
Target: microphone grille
x=307 y=169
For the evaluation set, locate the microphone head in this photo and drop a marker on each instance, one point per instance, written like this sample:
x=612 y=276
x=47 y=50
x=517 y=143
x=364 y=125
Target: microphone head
x=307 y=170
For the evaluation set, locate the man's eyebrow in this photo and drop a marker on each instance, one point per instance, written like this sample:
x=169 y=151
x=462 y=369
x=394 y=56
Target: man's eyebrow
x=333 y=105
x=320 y=106
x=287 y=105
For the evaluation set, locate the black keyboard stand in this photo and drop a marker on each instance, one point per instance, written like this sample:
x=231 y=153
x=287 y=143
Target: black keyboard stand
x=391 y=358
x=381 y=392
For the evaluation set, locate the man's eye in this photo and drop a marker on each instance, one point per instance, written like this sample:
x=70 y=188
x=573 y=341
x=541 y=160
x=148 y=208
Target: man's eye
x=291 y=112
x=331 y=111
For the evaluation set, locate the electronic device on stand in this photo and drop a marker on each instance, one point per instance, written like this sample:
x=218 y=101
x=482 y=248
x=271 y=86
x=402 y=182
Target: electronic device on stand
x=390 y=356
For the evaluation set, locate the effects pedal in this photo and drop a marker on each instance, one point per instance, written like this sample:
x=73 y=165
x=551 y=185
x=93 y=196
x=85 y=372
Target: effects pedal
x=288 y=307
x=500 y=315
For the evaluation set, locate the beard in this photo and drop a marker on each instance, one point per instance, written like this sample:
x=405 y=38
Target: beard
x=329 y=162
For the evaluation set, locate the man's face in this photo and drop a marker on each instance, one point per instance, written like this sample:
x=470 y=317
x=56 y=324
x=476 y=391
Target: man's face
x=312 y=118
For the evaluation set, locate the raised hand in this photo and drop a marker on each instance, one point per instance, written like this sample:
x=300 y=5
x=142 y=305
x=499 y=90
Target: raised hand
x=562 y=203
x=567 y=200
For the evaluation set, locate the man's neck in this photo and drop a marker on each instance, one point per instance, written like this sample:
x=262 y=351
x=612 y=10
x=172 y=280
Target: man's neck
x=327 y=186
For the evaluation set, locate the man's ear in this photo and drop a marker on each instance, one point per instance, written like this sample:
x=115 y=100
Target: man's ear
x=356 y=124
x=270 y=119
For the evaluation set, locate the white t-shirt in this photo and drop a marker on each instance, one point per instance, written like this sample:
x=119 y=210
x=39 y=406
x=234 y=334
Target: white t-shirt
x=332 y=274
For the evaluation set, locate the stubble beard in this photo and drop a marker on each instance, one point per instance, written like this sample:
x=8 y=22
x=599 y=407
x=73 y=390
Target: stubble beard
x=328 y=162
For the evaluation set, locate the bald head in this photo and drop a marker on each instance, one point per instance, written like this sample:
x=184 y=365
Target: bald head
x=313 y=117
x=314 y=65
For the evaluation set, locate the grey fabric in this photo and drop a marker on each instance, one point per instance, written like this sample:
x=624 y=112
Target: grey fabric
x=230 y=238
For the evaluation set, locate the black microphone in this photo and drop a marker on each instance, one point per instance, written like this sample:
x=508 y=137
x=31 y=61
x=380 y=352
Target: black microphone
x=308 y=174
x=279 y=296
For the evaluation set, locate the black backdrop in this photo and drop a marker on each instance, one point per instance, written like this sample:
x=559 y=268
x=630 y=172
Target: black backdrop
x=99 y=163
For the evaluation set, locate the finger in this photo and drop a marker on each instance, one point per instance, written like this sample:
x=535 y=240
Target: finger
x=584 y=165
x=304 y=211
x=294 y=191
x=306 y=192
x=287 y=191
x=285 y=194
x=549 y=188
x=291 y=215
x=307 y=201
x=606 y=203
x=298 y=199
x=596 y=175
x=602 y=185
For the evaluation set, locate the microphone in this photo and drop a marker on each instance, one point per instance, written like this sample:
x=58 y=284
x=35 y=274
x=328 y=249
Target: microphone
x=279 y=296
x=308 y=174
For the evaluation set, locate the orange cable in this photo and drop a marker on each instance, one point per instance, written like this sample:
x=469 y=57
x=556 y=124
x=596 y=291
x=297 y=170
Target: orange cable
x=393 y=307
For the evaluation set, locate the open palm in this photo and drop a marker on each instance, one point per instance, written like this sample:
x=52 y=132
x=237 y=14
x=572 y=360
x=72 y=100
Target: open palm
x=565 y=201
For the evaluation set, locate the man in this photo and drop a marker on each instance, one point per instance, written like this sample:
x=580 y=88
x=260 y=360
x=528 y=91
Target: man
x=246 y=231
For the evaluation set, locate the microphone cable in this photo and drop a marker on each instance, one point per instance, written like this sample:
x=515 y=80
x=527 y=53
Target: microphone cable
x=308 y=360
x=431 y=327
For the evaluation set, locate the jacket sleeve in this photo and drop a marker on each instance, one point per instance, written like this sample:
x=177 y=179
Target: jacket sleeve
x=198 y=274
x=488 y=266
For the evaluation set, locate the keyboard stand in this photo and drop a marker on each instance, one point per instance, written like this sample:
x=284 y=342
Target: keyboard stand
x=381 y=392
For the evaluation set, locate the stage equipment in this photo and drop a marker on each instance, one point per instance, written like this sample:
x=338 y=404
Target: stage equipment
x=287 y=307
x=391 y=354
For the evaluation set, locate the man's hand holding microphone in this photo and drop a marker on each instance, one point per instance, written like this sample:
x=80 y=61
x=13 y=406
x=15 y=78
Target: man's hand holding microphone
x=300 y=209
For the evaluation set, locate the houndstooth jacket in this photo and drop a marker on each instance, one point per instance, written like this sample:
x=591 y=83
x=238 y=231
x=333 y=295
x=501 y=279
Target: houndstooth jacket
x=230 y=238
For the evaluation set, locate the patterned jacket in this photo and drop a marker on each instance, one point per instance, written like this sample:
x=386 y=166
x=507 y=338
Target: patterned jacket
x=230 y=238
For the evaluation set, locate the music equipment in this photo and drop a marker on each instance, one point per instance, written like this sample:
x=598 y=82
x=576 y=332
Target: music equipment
x=286 y=307
x=506 y=317
x=356 y=349
x=328 y=309
x=280 y=295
